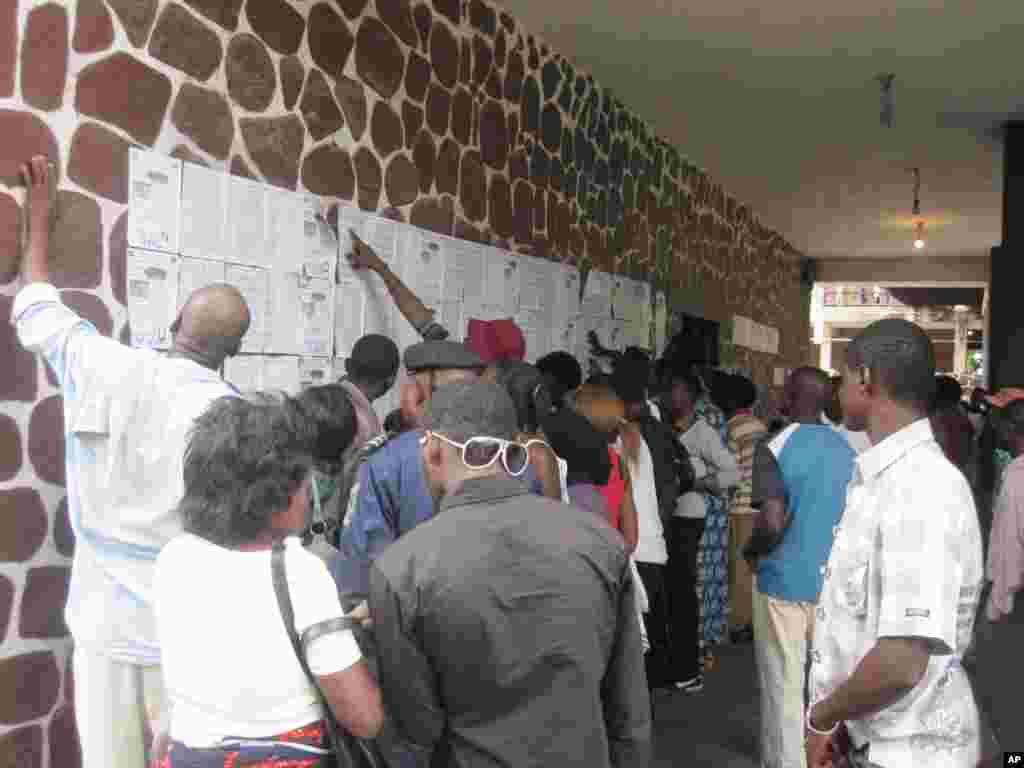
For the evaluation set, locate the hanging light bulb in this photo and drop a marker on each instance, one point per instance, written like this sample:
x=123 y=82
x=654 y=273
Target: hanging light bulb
x=919 y=228
x=919 y=236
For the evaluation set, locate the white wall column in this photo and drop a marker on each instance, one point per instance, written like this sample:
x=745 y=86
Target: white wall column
x=961 y=320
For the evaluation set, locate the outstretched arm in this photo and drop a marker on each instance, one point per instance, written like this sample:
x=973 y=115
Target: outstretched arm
x=40 y=177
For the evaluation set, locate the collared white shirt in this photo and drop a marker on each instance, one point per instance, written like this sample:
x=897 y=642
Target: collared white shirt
x=127 y=413
x=906 y=562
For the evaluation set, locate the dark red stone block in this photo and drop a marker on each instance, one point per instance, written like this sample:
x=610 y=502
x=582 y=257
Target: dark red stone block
x=466 y=231
x=64 y=748
x=501 y=206
x=63 y=534
x=90 y=307
x=539 y=212
x=76 y=252
x=99 y=161
x=401 y=181
x=451 y=9
x=23 y=524
x=369 y=179
x=473 y=187
x=462 y=116
x=412 y=120
x=136 y=16
x=123 y=91
x=204 y=115
x=330 y=41
x=10 y=229
x=424 y=21
x=275 y=145
x=328 y=171
x=352 y=96
x=531 y=106
x=186 y=43
x=318 y=107
x=10 y=447
x=29 y=687
x=424 y=154
x=42 y=603
x=352 y=8
x=250 y=73
x=500 y=49
x=438 y=107
x=278 y=24
x=6 y=606
x=417 y=77
x=385 y=129
x=239 y=168
x=94 y=29
x=46 y=439
x=483 y=59
x=493 y=135
x=8 y=46
x=522 y=212
x=482 y=17
x=44 y=57
x=223 y=13
x=514 y=77
x=22 y=747
x=433 y=214
x=393 y=214
x=519 y=165
x=292 y=75
x=379 y=58
x=449 y=157
x=397 y=14
x=117 y=246
x=24 y=135
x=19 y=379
x=444 y=55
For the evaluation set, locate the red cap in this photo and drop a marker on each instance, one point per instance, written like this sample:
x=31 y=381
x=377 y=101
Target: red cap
x=496 y=340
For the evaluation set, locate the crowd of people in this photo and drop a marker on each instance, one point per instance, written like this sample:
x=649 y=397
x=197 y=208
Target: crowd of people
x=501 y=571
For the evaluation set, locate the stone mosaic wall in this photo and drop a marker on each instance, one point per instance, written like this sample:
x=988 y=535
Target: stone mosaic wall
x=443 y=113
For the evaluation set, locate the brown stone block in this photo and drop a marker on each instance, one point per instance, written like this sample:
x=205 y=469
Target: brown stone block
x=500 y=49
x=136 y=16
x=8 y=46
x=204 y=115
x=514 y=78
x=10 y=445
x=369 y=179
x=275 y=145
x=64 y=749
x=90 y=307
x=76 y=253
x=352 y=96
x=292 y=75
x=473 y=187
x=466 y=62
x=424 y=155
x=466 y=231
x=438 y=107
x=239 y=168
x=278 y=24
x=46 y=439
x=412 y=120
x=379 y=58
x=417 y=76
x=401 y=181
x=99 y=161
x=250 y=73
x=29 y=687
x=318 y=107
x=398 y=16
x=330 y=41
x=434 y=214
x=393 y=214
x=44 y=57
x=63 y=534
x=444 y=55
x=22 y=747
x=493 y=135
x=186 y=43
x=10 y=229
x=385 y=129
x=522 y=211
x=462 y=116
x=24 y=135
x=123 y=91
x=424 y=19
x=483 y=60
x=94 y=29
x=452 y=9
x=328 y=171
x=448 y=160
x=352 y=8
x=501 y=207
x=539 y=212
x=223 y=13
x=42 y=602
x=23 y=524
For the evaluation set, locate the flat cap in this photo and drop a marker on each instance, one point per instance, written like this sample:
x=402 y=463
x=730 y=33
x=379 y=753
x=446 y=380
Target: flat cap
x=472 y=409
x=435 y=355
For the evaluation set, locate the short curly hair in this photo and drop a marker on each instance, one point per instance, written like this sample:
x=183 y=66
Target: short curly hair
x=245 y=460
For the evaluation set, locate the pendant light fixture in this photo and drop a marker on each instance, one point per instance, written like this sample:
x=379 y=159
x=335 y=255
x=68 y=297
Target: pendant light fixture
x=919 y=241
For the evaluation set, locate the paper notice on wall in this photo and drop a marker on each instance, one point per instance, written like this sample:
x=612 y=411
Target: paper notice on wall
x=281 y=374
x=204 y=205
x=502 y=282
x=285 y=245
x=660 y=323
x=620 y=296
x=315 y=371
x=597 y=294
x=423 y=263
x=254 y=285
x=463 y=285
x=285 y=336
x=535 y=323
x=152 y=279
x=195 y=274
x=244 y=372
x=320 y=246
x=247 y=222
x=154 y=202
x=380 y=234
x=536 y=282
x=348 y=316
x=377 y=306
x=452 y=319
x=316 y=317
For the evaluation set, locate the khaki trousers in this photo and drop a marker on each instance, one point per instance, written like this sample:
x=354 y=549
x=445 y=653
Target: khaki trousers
x=741 y=578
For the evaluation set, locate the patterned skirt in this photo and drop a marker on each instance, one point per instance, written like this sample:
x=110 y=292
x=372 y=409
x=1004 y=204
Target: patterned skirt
x=713 y=572
x=301 y=748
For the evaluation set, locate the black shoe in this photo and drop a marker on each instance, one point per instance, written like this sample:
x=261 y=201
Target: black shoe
x=693 y=685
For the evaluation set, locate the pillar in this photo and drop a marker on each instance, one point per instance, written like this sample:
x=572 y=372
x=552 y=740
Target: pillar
x=1005 y=334
x=961 y=323
x=825 y=355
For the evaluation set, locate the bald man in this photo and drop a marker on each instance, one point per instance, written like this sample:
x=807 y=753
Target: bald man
x=799 y=489
x=126 y=414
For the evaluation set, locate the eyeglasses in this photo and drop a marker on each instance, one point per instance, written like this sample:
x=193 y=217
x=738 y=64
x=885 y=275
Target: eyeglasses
x=482 y=452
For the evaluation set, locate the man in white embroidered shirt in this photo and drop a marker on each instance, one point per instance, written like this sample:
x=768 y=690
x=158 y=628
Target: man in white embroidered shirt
x=903 y=580
x=127 y=413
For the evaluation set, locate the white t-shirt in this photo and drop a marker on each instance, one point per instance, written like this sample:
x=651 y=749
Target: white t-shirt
x=229 y=668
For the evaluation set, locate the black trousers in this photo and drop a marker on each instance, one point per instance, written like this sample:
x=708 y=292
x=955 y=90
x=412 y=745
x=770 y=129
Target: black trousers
x=656 y=621
x=684 y=539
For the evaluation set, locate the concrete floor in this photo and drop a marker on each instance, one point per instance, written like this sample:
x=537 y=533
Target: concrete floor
x=717 y=727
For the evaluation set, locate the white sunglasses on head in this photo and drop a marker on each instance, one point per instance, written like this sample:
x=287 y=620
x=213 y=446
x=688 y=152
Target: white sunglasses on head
x=483 y=452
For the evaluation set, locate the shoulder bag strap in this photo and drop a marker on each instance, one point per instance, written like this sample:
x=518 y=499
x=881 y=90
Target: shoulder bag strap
x=347 y=753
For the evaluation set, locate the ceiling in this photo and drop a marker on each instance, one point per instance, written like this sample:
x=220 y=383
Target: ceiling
x=780 y=103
